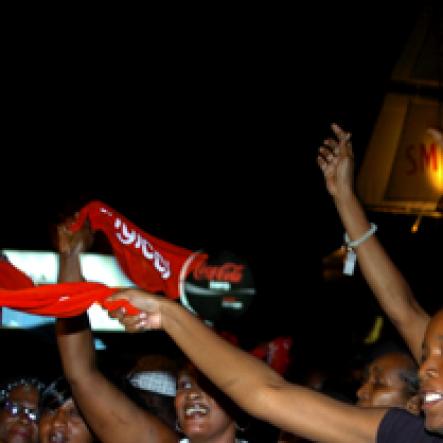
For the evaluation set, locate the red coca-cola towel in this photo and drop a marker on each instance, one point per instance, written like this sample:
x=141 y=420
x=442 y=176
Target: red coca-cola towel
x=152 y=264
x=60 y=300
x=17 y=291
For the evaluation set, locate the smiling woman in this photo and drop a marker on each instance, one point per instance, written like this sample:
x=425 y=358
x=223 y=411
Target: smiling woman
x=204 y=414
x=202 y=410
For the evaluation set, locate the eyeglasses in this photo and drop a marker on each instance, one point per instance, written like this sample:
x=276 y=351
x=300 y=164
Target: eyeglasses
x=17 y=409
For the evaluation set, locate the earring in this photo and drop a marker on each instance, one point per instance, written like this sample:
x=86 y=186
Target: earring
x=177 y=427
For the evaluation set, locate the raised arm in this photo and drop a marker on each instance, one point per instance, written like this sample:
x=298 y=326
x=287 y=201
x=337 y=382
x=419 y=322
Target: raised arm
x=70 y=246
x=108 y=411
x=386 y=281
x=248 y=381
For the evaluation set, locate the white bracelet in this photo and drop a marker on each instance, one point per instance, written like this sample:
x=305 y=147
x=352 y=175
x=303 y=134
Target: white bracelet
x=353 y=244
x=351 y=256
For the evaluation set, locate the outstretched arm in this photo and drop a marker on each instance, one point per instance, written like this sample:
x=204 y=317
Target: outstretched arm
x=112 y=416
x=248 y=381
x=386 y=281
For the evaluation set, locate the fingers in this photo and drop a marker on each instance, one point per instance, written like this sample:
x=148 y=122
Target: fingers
x=326 y=156
x=332 y=144
x=344 y=141
x=63 y=239
x=321 y=162
x=132 y=323
x=326 y=153
x=342 y=135
x=334 y=149
x=339 y=146
x=119 y=295
x=118 y=313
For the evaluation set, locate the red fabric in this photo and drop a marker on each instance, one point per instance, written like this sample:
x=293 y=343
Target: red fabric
x=61 y=300
x=17 y=291
x=275 y=353
x=151 y=263
x=13 y=278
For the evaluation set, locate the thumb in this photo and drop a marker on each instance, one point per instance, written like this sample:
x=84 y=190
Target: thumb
x=119 y=295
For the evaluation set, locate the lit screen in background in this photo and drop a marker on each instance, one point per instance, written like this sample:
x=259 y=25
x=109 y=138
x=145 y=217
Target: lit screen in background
x=42 y=268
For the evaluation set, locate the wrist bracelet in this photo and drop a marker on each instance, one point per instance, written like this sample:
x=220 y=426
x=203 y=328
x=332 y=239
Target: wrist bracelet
x=351 y=256
x=354 y=244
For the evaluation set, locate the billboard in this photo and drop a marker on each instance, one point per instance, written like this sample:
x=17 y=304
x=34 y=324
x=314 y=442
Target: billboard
x=402 y=170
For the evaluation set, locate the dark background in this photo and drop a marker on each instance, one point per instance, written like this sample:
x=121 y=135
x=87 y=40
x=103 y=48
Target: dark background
x=202 y=127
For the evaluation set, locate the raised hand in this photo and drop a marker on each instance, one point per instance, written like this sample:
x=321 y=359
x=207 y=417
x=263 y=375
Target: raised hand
x=69 y=243
x=336 y=160
x=148 y=304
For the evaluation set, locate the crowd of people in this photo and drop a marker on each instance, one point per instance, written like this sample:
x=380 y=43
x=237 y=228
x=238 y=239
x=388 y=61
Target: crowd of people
x=215 y=388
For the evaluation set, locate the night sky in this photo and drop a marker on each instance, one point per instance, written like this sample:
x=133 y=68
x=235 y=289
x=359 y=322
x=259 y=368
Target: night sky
x=203 y=130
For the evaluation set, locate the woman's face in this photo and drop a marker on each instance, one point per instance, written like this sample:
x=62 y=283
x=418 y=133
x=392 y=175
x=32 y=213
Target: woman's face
x=64 y=425
x=19 y=415
x=384 y=385
x=198 y=413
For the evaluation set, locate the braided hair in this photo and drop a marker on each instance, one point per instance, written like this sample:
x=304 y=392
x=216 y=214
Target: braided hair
x=10 y=385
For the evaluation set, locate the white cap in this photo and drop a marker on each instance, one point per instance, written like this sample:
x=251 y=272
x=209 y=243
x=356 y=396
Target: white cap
x=160 y=382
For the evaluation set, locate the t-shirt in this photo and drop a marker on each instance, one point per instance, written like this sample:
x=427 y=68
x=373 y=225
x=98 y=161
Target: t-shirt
x=399 y=426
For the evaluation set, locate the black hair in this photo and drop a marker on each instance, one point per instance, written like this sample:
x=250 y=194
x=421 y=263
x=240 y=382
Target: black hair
x=411 y=379
x=11 y=384
x=56 y=394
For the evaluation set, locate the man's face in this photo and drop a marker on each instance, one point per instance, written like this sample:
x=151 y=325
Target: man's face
x=431 y=374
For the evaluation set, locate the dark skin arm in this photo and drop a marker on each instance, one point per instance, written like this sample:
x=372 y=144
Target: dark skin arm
x=109 y=412
x=386 y=281
x=249 y=382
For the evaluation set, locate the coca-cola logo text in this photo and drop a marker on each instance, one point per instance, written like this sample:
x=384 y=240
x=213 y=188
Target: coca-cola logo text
x=230 y=272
